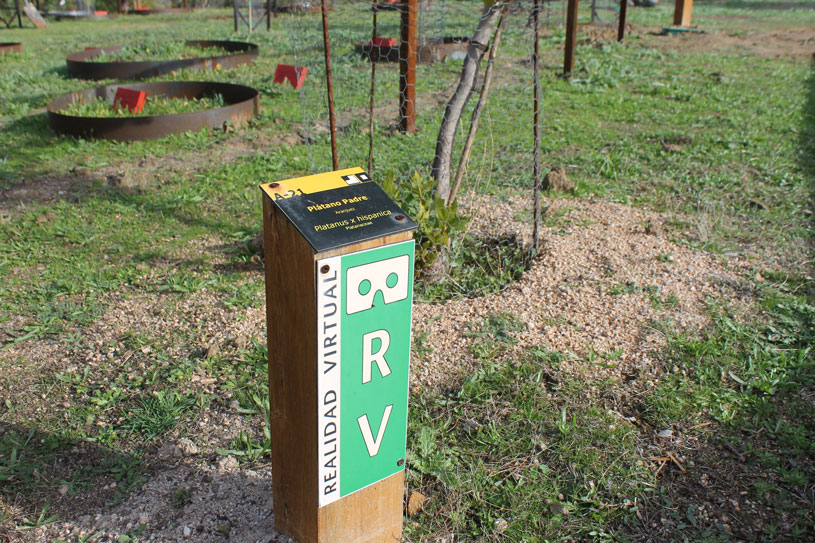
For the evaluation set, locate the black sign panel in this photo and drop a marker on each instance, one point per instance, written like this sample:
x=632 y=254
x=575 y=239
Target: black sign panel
x=344 y=216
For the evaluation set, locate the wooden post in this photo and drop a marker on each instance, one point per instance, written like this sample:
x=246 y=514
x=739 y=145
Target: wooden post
x=329 y=85
x=536 y=130
x=571 y=37
x=19 y=13
x=407 y=66
x=331 y=292
x=621 y=27
x=682 y=12
x=375 y=9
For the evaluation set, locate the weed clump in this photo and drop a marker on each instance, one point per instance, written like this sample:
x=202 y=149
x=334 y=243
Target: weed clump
x=478 y=266
x=449 y=265
x=438 y=223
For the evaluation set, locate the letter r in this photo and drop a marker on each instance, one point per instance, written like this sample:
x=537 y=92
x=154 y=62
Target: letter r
x=368 y=357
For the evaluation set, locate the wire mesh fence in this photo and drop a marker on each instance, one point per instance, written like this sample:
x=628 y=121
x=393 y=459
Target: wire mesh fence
x=368 y=64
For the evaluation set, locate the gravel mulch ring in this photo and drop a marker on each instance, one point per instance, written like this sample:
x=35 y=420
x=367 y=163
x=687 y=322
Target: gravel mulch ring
x=605 y=278
x=599 y=287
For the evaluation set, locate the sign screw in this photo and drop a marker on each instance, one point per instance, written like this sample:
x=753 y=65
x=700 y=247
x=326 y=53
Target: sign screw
x=325 y=268
x=400 y=462
x=400 y=217
x=274 y=185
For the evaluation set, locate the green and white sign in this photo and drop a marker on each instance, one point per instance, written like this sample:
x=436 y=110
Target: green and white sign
x=364 y=303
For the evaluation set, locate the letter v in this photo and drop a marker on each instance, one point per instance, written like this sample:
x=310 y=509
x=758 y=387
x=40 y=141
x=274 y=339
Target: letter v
x=370 y=443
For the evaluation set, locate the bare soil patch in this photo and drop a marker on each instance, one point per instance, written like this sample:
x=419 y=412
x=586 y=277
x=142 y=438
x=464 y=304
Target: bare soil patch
x=796 y=43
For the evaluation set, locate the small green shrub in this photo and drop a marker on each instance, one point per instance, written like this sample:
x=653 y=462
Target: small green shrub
x=437 y=222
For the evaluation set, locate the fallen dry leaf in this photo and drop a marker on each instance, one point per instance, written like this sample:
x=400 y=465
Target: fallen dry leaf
x=415 y=502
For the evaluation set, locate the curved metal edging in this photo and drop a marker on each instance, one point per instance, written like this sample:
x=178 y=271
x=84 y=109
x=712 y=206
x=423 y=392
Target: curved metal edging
x=80 y=64
x=242 y=106
x=11 y=47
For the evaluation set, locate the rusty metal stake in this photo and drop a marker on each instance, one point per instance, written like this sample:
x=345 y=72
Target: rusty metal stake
x=407 y=67
x=571 y=37
x=371 y=104
x=536 y=129
x=329 y=86
x=621 y=27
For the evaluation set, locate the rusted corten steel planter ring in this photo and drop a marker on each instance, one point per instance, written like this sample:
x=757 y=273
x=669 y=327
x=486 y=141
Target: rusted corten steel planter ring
x=242 y=106
x=80 y=64
x=6 y=48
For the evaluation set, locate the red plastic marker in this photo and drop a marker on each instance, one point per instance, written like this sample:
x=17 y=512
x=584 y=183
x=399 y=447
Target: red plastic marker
x=295 y=76
x=131 y=99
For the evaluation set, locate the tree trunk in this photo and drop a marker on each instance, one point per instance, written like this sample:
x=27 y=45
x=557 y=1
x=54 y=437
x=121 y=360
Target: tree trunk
x=455 y=107
x=482 y=101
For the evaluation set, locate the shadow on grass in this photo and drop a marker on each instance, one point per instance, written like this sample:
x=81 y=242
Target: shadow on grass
x=806 y=154
x=45 y=474
x=30 y=135
x=767 y=6
x=739 y=462
x=65 y=483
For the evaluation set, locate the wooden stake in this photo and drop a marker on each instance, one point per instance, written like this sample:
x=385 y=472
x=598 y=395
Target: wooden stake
x=682 y=12
x=407 y=66
x=571 y=37
x=329 y=86
x=371 y=103
x=621 y=27
x=482 y=101
x=536 y=130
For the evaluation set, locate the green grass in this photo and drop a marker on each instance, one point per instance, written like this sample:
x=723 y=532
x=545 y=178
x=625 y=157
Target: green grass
x=157 y=51
x=516 y=444
x=157 y=413
x=152 y=106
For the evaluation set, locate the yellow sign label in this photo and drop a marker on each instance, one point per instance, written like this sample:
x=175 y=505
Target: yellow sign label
x=315 y=183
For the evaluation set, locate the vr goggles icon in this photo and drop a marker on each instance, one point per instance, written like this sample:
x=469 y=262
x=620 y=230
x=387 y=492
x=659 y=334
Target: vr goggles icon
x=387 y=276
